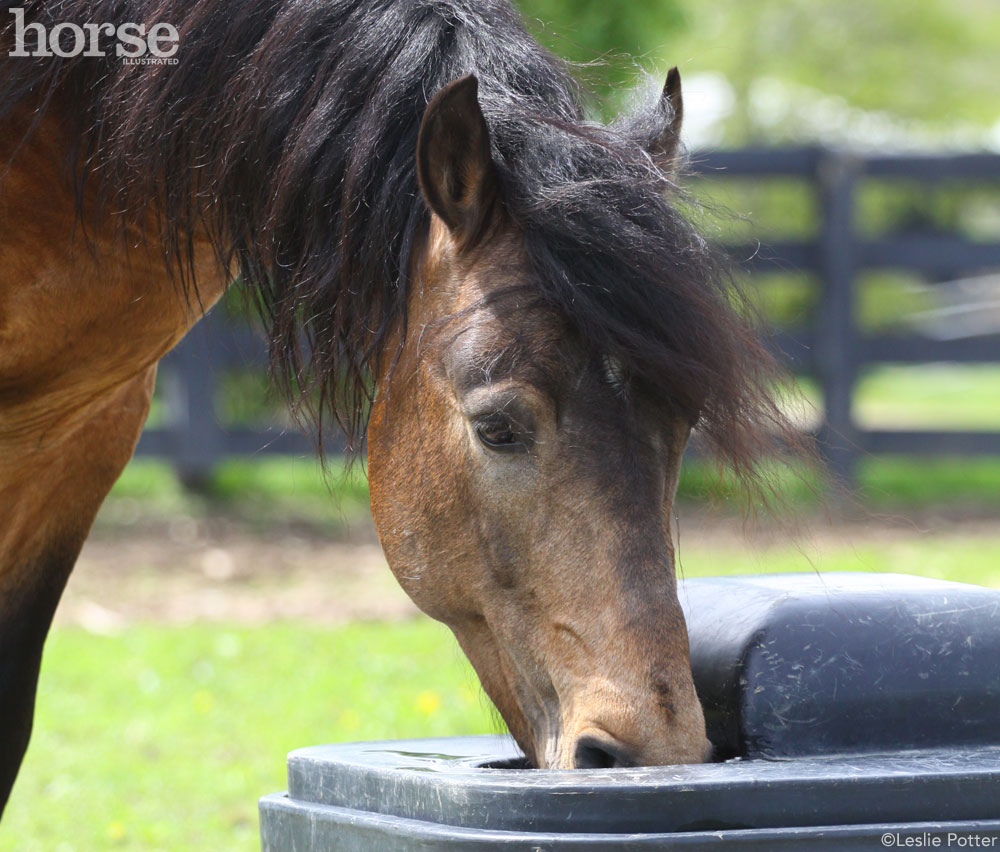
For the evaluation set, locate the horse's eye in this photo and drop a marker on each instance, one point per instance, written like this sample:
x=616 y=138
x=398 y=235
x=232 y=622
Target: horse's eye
x=498 y=435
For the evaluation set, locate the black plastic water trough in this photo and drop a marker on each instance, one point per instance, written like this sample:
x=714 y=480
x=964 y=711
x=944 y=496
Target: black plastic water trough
x=856 y=711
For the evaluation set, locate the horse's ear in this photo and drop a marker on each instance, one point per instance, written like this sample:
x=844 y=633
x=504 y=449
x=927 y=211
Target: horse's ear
x=454 y=164
x=665 y=149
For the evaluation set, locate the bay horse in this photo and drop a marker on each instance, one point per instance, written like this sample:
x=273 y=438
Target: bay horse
x=449 y=258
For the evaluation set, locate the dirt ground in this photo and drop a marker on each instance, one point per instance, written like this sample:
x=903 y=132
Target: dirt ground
x=181 y=568
x=184 y=569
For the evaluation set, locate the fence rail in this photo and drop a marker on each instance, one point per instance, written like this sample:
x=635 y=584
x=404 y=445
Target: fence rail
x=832 y=349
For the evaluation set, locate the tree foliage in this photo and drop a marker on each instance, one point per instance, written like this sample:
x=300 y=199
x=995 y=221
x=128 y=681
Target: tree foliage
x=928 y=68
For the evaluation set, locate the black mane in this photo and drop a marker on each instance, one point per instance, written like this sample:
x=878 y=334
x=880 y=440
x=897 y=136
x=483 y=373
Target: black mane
x=288 y=129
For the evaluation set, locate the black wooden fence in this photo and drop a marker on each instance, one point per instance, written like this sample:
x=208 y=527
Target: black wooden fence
x=833 y=349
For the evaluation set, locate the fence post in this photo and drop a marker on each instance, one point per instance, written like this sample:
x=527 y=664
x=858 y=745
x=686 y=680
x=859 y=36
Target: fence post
x=836 y=335
x=199 y=440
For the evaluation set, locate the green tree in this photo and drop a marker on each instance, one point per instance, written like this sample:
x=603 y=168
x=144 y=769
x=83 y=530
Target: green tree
x=606 y=39
x=928 y=66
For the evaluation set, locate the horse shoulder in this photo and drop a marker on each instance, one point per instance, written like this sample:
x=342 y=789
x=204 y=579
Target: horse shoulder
x=85 y=315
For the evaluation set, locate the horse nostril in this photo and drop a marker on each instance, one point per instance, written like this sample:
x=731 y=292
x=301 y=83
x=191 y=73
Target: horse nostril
x=594 y=753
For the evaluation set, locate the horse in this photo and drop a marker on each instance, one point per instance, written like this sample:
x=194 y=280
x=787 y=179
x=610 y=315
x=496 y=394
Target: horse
x=498 y=296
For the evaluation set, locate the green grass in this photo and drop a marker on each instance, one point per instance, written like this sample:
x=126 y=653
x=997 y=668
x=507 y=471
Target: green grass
x=929 y=396
x=163 y=738
x=260 y=491
x=282 y=478
x=894 y=483
x=939 y=396
x=945 y=557
x=891 y=483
